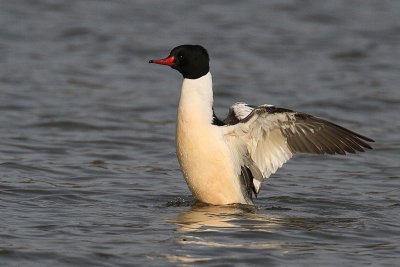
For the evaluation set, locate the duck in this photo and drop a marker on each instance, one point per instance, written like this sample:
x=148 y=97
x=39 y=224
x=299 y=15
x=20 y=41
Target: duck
x=225 y=161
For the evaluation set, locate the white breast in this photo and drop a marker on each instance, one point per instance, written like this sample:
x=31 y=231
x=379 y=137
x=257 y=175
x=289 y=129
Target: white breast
x=205 y=159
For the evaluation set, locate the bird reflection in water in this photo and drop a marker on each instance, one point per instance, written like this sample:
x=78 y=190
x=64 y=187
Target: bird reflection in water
x=206 y=230
x=203 y=217
x=202 y=225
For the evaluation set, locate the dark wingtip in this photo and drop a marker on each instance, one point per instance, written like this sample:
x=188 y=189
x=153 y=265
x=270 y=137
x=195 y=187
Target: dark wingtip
x=368 y=146
x=366 y=138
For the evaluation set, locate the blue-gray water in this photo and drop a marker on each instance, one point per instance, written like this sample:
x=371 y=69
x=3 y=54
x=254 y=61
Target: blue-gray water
x=88 y=173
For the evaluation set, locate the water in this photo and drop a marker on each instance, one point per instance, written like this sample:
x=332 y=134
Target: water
x=88 y=173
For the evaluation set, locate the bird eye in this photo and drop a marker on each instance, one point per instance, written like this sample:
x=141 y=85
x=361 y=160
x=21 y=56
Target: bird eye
x=180 y=57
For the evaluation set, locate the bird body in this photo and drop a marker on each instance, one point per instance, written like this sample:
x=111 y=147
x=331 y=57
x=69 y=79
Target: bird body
x=203 y=155
x=225 y=162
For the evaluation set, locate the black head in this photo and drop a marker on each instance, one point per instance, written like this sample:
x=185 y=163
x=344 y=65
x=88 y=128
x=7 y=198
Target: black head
x=192 y=61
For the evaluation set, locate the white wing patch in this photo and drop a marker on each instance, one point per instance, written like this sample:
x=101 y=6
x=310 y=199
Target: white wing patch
x=261 y=138
x=241 y=110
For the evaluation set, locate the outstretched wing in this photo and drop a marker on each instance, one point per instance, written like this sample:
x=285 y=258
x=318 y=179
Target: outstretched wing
x=267 y=136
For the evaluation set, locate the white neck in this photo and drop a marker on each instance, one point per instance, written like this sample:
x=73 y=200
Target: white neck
x=204 y=157
x=196 y=100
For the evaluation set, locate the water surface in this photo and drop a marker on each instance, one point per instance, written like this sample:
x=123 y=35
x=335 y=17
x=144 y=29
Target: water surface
x=88 y=173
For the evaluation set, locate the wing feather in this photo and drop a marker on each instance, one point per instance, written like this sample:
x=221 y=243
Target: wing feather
x=270 y=136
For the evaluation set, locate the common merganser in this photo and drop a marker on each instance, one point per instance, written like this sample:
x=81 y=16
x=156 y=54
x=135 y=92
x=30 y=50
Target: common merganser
x=225 y=161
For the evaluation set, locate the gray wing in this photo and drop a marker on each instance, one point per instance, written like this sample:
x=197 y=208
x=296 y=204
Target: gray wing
x=268 y=136
x=308 y=134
